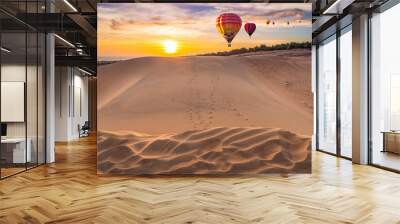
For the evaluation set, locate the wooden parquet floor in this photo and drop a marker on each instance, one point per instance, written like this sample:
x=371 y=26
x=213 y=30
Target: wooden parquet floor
x=69 y=191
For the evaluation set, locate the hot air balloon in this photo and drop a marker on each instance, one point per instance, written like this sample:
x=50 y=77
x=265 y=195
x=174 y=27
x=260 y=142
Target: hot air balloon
x=273 y=23
x=250 y=28
x=288 y=23
x=268 y=22
x=228 y=24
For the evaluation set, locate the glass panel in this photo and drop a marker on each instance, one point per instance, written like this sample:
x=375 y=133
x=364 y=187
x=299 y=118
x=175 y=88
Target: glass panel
x=23 y=90
x=41 y=98
x=31 y=97
x=385 y=84
x=346 y=94
x=327 y=96
x=32 y=91
x=13 y=89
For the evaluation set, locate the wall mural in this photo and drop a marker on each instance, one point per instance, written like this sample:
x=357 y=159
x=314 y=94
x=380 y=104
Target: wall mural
x=214 y=88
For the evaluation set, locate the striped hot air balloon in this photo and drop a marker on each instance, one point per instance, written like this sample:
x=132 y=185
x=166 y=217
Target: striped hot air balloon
x=228 y=24
x=250 y=28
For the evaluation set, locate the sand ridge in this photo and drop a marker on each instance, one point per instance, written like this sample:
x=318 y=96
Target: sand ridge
x=219 y=150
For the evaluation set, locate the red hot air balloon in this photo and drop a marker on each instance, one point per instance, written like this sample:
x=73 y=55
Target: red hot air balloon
x=228 y=24
x=250 y=28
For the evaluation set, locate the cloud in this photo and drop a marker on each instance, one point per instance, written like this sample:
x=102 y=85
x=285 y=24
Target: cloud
x=123 y=24
x=156 y=18
x=115 y=24
x=286 y=14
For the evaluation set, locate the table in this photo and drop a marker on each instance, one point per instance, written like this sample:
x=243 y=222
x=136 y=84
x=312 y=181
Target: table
x=391 y=141
x=13 y=150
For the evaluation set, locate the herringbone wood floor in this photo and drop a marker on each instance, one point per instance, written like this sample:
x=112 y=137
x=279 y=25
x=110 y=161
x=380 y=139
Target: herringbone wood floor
x=69 y=191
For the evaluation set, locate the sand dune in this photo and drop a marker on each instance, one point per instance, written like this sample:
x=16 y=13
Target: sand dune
x=249 y=113
x=219 y=150
x=171 y=95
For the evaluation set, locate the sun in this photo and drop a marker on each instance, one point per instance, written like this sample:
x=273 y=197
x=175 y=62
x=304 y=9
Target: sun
x=170 y=46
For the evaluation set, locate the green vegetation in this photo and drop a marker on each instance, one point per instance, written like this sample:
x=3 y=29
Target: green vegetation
x=100 y=63
x=262 y=47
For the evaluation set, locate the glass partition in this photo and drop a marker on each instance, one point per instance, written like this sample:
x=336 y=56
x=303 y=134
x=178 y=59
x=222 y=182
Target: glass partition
x=385 y=89
x=22 y=78
x=14 y=155
x=327 y=95
x=31 y=99
x=41 y=109
x=346 y=92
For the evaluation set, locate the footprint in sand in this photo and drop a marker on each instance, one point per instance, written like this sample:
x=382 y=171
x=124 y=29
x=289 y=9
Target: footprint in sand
x=235 y=111
x=193 y=114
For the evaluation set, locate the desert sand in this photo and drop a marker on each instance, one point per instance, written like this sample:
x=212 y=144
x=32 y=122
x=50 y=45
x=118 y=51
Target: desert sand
x=146 y=104
x=171 y=95
x=211 y=151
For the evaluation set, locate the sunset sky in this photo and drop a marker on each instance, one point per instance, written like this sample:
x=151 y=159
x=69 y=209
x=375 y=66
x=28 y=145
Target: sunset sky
x=130 y=30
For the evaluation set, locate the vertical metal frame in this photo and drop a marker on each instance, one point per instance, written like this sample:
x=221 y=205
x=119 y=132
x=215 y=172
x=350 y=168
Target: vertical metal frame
x=338 y=74
x=369 y=78
x=44 y=79
x=37 y=91
x=69 y=91
x=317 y=97
x=73 y=91
x=0 y=92
x=26 y=87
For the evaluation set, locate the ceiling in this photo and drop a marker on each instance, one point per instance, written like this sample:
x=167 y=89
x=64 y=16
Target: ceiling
x=73 y=21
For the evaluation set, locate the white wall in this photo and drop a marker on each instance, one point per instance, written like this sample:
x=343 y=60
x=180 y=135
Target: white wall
x=80 y=109
x=62 y=81
x=71 y=102
x=12 y=73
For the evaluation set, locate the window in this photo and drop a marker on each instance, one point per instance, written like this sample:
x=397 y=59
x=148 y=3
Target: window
x=346 y=92
x=327 y=95
x=385 y=89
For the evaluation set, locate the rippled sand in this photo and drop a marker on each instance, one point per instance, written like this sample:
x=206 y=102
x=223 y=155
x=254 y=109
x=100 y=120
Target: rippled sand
x=211 y=151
